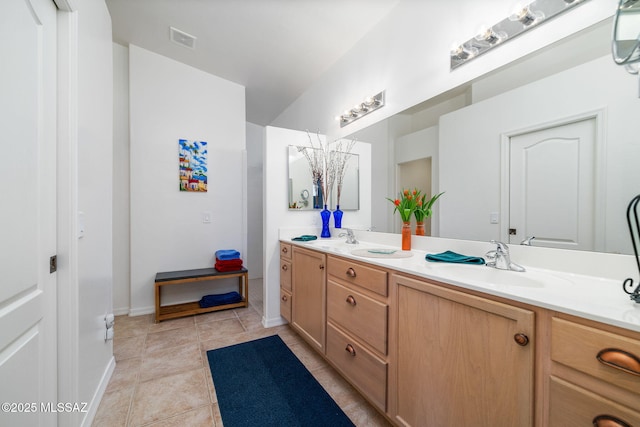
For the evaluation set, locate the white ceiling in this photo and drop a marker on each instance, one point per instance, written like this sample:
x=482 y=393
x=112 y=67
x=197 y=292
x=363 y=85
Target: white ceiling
x=275 y=48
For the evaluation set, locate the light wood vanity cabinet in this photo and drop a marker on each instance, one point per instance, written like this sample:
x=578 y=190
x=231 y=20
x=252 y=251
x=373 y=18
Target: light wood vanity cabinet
x=429 y=354
x=457 y=359
x=357 y=326
x=594 y=376
x=308 y=292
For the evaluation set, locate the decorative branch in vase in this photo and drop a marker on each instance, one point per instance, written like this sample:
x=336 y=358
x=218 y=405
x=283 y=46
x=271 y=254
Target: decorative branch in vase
x=323 y=172
x=341 y=155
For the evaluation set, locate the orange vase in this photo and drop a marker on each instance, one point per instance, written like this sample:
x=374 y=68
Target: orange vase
x=406 y=236
x=419 y=228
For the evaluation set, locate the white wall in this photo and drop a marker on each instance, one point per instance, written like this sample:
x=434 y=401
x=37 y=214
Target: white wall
x=255 y=196
x=170 y=101
x=121 y=255
x=276 y=214
x=94 y=197
x=472 y=150
x=407 y=54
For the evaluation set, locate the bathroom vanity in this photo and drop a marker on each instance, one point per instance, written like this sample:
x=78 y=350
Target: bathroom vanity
x=434 y=344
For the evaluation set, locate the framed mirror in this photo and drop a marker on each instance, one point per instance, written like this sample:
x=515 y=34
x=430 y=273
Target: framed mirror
x=304 y=195
x=626 y=33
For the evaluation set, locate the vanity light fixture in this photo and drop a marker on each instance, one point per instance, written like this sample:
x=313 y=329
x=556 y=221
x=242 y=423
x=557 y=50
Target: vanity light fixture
x=523 y=19
x=367 y=106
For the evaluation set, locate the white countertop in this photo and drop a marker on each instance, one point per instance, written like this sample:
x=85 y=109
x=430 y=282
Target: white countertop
x=590 y=297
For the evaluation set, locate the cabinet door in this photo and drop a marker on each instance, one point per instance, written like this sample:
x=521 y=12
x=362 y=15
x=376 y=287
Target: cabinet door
x=455 y=360
x=309 y=296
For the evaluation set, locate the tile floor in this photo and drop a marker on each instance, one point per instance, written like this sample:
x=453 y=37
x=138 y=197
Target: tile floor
x=162 y=376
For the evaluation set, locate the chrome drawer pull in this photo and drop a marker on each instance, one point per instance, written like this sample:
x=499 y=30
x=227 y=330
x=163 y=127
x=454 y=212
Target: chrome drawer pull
x=285 y=250
x=284 y=298
x=351 y=300
x=608 y=421
x=351 y=272
x=284 y=267
x=349 y=349
x=620 y=359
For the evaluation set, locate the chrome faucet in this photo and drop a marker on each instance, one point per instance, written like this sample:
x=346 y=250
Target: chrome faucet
x=527 y=241
x=351 y=238
x=501 y=259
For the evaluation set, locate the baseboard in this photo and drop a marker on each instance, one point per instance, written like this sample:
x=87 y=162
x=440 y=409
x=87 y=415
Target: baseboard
x=97 y=396
x=120 y=311
x=276 y=321
x=142 y=311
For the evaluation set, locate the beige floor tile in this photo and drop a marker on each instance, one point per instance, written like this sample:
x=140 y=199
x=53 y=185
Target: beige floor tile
x=219 y=329
x=363 y=414
x=251 y=320
x=199 y=417
x=126 y=348
x=125 y=375
x=166 y=325
x=114 y=408
x=215 y=316
x=337 y=387
x=170 y=361
x=171 y=338
x=165 y=397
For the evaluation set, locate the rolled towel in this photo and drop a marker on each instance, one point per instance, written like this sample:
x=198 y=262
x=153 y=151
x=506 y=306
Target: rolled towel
x=226 y=254
x=453 y=257
x=220 y=299
x=225 y=268
x=305 y=238
x=229 y=262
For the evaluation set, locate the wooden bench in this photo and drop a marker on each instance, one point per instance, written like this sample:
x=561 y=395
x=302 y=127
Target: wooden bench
x=199 y=275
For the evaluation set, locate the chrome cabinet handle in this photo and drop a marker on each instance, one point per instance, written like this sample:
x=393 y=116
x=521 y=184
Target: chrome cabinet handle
x=351 y=272
x=351 y=300
x=284 y=298
x=321 y=266
x=521 y=339
x=285 y=250
x=608 y=421
x=620 y=359
x=349 y=349
x=284 y=267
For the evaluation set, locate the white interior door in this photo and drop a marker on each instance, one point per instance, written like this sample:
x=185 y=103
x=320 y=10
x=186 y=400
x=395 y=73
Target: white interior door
x=552 y=186
x=28 y=364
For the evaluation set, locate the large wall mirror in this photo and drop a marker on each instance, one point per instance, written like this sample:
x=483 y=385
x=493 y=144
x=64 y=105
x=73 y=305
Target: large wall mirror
x=304 y=195
x=473 y=127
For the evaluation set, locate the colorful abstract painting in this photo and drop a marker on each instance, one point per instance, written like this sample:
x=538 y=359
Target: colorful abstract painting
x=193 y=165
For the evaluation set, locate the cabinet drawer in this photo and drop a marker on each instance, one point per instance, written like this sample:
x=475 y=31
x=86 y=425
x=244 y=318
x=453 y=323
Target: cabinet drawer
x=358 y=274
x=578 y=346
x=362 y=316
x=285 y=274
x=358 y=365
x=285 y=305
x=571 y=405
x=285 y=250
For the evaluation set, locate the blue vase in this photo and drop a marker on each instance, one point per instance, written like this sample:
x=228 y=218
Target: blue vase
x=337 y=217
x=325 y=214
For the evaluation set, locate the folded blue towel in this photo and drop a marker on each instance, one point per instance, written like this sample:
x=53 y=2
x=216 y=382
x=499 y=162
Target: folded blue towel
x=305 y=238
x=225 y=254
x=449 y=256
x=220 y=299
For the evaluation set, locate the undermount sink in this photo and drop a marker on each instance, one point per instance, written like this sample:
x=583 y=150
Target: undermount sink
x=495 y=277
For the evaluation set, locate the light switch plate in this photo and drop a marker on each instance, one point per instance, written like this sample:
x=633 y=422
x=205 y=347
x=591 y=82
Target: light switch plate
x=494 y=218
x=206 y=217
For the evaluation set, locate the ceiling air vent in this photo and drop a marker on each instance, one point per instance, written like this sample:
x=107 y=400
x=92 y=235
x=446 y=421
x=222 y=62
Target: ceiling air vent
x=182 y=38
